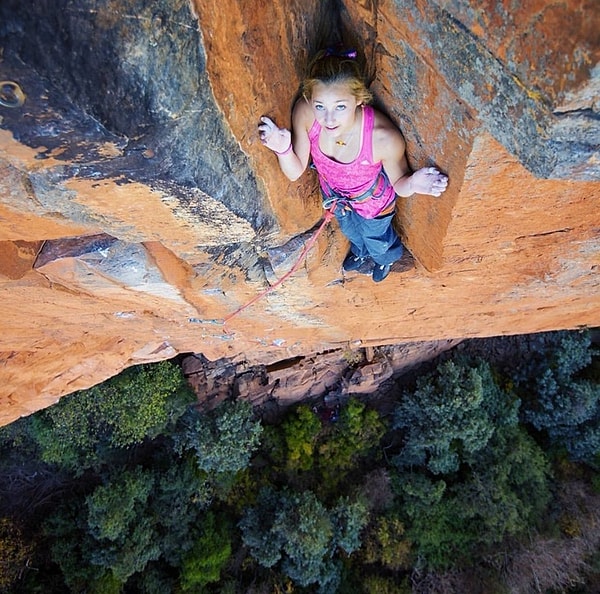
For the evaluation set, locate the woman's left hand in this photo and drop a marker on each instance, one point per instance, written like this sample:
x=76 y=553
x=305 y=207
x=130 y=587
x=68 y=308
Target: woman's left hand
x=428 y=180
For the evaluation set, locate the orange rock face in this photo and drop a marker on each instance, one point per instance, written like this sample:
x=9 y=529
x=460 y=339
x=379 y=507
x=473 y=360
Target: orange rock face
x=512 y=247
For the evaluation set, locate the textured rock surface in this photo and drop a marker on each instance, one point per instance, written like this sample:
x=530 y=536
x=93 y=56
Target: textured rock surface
x=138 y=209
x=334 y=375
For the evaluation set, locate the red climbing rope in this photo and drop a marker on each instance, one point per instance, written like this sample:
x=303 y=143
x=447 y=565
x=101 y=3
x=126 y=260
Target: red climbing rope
x=328 y=216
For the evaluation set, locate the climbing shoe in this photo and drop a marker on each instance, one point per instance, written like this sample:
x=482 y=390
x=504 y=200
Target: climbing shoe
x=352 y=262
x=381 y=271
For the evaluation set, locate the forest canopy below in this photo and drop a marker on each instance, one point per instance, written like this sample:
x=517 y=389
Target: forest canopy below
x=476 y=477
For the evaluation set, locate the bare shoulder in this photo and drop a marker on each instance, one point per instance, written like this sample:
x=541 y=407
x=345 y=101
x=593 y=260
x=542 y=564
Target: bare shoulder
x=387 y=138
x=302 y=115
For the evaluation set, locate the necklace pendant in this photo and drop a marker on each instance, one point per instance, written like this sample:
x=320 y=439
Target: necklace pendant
x=340 y=143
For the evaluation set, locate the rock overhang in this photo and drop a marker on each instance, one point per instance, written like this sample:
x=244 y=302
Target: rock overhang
x=168 y=164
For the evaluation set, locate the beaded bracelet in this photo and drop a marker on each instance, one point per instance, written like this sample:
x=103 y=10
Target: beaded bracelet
x=285 y=152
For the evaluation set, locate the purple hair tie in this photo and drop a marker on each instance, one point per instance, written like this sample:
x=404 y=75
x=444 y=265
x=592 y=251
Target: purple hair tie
x=340 y=53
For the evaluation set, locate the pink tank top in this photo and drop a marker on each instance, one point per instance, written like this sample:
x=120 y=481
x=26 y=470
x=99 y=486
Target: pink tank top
x=355 y=178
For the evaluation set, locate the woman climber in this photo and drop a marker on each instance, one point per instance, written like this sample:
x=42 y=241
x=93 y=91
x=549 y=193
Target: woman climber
x=359 y=155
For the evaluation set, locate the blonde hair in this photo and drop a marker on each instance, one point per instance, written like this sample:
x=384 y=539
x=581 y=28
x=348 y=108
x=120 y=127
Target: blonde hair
x=336 y=66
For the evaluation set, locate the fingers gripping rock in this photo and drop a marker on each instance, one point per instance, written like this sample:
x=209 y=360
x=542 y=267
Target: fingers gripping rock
x=274 y=138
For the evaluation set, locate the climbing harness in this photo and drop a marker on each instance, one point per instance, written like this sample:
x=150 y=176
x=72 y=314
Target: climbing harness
x=329 y=214
x=376 y=191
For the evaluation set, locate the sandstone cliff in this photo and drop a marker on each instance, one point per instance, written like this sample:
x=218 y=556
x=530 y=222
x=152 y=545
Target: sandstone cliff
x=138 y=209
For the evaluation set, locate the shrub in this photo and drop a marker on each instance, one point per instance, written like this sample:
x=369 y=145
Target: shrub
x=386 y=542
x=385 y=585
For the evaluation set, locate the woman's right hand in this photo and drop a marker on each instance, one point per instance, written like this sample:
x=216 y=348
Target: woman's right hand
x=274 y=138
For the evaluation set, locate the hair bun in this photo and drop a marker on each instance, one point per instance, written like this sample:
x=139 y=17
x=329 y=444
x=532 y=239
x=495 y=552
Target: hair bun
x=339 y=52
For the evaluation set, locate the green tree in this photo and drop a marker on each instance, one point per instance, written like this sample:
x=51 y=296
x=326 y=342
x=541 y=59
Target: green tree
x=203 y=564
x=157 y=578
x=299 y=532
x=301 y=429
x=118 y=522
x=80 y=430
x=557 y=397
x=181 y=495
x=495 y=499
x=71 y=545
x=352 y=439
x=112 y=508
x=454 y=411
x=473 y=469
x=134 y=518
x=349 y=519
x=258 y=532
x=307 y=530
x=224 y=439
x=503 y=492
x=439 y=541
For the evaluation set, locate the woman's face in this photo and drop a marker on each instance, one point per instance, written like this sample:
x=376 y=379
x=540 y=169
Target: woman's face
x=334 y=107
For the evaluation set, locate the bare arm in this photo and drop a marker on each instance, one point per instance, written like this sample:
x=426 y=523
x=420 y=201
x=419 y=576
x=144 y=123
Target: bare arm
x=389 y=148
x=292 y=148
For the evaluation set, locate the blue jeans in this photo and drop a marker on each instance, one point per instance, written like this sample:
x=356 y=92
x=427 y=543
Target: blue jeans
x=376 y=238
